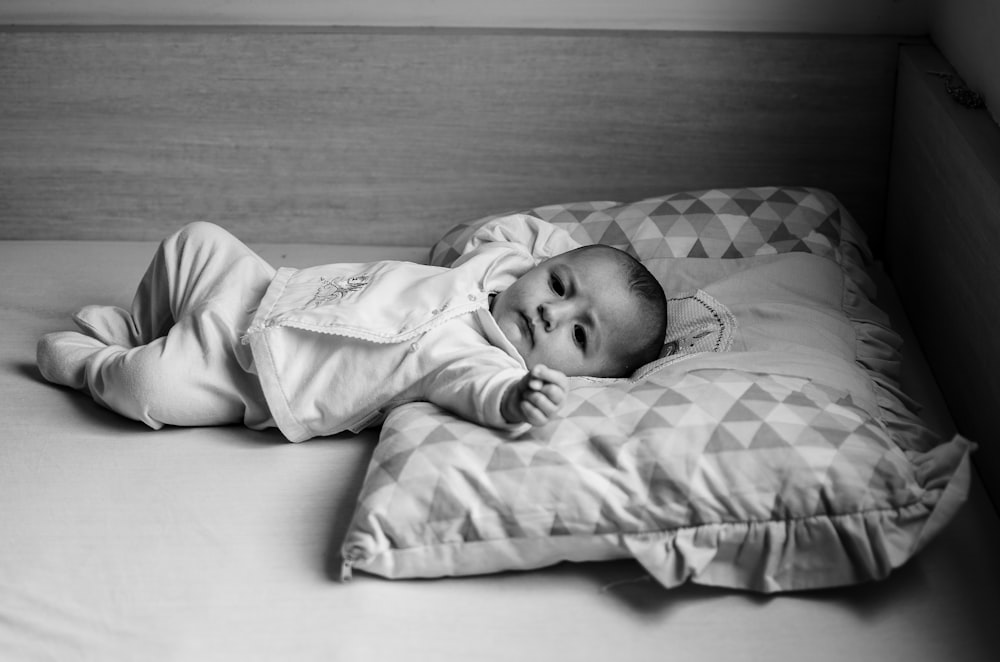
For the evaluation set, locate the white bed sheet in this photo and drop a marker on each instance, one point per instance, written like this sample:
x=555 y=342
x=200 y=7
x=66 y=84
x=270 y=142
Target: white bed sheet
x=120 y=543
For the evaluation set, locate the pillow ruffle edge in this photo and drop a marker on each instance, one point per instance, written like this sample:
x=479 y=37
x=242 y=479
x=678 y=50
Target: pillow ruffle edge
x=878 y=347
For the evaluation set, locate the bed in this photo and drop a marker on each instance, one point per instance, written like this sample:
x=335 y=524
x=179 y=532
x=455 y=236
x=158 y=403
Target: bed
x=213 y=544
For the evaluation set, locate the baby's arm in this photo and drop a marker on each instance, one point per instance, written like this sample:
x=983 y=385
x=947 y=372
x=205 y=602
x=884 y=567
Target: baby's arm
x=538 y=238
x=535 y=398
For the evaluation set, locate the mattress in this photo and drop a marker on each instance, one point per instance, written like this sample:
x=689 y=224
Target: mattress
x=121 y=543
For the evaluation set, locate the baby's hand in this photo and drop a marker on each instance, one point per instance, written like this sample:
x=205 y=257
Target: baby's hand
x=536 y=397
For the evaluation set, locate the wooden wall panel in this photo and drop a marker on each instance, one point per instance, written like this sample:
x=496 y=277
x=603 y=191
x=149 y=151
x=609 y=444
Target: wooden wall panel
x=391 y=136
x=815 y=16
x=943 y=239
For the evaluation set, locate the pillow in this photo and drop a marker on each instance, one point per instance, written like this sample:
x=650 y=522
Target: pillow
x=768 y=449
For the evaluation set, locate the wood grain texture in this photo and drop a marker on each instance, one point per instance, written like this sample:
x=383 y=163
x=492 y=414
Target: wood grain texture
x=826 y=16
x=391 y=136
x=943 y=237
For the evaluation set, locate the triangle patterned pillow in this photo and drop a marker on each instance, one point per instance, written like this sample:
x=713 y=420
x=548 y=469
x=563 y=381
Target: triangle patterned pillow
x=768 y=449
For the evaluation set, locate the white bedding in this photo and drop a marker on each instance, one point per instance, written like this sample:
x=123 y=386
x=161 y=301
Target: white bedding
x=120 y=543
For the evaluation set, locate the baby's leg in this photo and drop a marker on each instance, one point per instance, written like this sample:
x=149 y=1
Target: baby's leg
x=109 y=324
x=175 y=358
x=198 y=264
x=63 y=356
x=194 y=264
x=191 y=376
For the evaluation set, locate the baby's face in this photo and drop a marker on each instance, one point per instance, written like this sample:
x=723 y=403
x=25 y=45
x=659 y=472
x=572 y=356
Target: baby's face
x=573 y=312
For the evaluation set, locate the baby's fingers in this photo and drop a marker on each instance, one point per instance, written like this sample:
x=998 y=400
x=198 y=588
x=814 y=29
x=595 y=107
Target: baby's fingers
x=538 y=408
x=533 y=415
x=550 y=392
x=548 y=375
x=546 y=380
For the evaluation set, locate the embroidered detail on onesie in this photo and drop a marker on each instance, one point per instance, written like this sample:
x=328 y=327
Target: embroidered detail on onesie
x=332 y=289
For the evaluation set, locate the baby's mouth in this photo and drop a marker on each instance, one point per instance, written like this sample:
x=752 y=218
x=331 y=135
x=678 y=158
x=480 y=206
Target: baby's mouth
x=529 y=328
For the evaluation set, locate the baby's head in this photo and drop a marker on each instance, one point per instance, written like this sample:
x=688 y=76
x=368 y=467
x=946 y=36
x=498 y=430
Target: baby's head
x=595 y=311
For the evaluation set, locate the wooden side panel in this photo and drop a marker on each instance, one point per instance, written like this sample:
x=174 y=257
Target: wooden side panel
x=376 y=136
x=943 y=242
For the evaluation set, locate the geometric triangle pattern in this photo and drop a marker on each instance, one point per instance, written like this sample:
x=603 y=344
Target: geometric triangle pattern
x=706 y=465
x=714 y=223
x=717 y=447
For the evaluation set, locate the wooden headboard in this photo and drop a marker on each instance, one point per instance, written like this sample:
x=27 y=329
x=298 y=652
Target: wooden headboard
x=389 y=136
x=943 y=244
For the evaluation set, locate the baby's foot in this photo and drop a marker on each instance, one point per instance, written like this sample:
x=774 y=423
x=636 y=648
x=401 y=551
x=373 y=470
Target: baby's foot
x=62 y=357
x=109 y=324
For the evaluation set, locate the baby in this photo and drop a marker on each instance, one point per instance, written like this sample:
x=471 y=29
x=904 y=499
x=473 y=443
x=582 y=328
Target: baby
x=216 y=335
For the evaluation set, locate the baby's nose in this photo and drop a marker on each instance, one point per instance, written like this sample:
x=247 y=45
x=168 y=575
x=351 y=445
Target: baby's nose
x=553 y=314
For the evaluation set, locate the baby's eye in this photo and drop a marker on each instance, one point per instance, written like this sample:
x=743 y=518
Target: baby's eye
x=580 y=337
x=557 y=285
